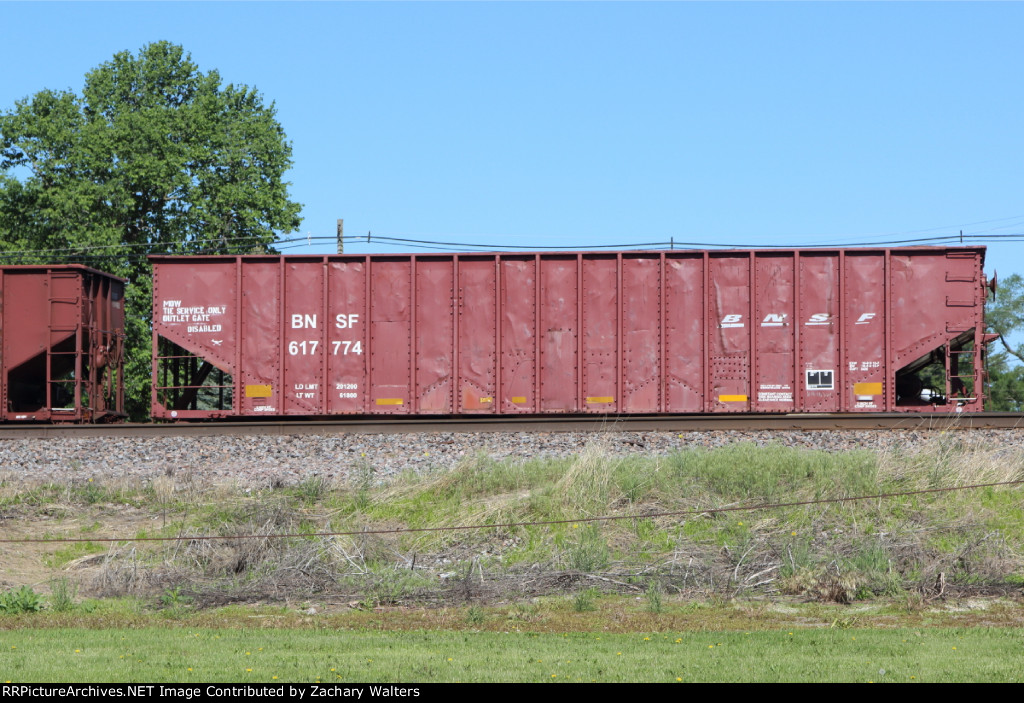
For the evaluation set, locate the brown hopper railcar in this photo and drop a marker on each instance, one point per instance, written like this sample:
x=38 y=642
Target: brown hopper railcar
x=61 y=344
x=763 y=331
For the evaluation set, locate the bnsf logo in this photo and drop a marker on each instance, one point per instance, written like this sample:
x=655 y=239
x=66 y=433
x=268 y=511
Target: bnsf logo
x=779 y=320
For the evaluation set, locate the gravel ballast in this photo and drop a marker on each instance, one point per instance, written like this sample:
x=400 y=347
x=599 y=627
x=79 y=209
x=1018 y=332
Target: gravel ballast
x=258 y=461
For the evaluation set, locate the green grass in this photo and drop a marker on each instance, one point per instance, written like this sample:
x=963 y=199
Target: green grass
x=255 y=655
x=73 y=551
x=843 y=550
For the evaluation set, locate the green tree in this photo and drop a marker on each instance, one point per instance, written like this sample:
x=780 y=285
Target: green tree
x=1005 y=384
x=154 y=157
x=1005 y=317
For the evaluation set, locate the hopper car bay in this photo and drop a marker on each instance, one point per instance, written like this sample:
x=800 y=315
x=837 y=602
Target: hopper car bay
x=61 y=344
x=765 y=331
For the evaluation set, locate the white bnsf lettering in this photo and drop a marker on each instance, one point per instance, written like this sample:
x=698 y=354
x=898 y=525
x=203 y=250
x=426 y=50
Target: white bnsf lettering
x=732 y=321
x=303 y=322
x=343 y=322
x=865 y=318
x=819 y=318
x=773 y=320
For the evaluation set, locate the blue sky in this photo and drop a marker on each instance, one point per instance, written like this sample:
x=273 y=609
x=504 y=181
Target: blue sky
x=585 y=124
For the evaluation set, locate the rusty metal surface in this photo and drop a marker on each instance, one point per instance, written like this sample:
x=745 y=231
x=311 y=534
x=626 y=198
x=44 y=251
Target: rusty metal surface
x=564 y=333
x=61 y=344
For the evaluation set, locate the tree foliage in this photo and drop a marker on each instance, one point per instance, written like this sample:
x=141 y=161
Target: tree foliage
x=1005 y=384
x=1005 y=316
x=155 y=156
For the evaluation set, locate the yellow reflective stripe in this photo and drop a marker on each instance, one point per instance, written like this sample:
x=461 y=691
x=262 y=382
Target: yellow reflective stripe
x=732 y=399
x=390 y=401
x=867 y=389
x=258 y=391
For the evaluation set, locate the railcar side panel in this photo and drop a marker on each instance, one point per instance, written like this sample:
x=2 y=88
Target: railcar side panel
x=390 y=336
x=477 y=341
x=819 y=354
x=601 y=333
x=772 y=325
x=594 y=332
x=259 y=366
x=347 y=322
x=519 y=339
x=863 y=318
x=641 y=334
x=559 y=330
x=305 y=343
x=729 y=308
x=435 y=329
x=684 y=325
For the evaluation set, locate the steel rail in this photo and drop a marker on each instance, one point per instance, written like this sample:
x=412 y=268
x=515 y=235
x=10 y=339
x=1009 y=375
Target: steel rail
x=562 y=423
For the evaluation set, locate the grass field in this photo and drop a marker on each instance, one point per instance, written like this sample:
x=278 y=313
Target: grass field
x=184 y=654
x=915 y=587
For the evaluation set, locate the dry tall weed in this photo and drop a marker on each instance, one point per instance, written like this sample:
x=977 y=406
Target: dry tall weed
x=585 y=487
x=953 y=459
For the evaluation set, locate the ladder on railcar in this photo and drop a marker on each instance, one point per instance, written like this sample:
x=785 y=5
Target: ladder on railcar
x=62 y=324
x=960 y=385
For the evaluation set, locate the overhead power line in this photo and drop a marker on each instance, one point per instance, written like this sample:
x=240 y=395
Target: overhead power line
x=139 y=251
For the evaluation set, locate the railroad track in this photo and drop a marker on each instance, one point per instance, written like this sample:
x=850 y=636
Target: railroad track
x=631 y=423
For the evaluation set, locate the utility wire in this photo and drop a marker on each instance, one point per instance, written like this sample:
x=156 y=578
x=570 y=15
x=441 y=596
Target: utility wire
x=460 y=528
x=141 y=250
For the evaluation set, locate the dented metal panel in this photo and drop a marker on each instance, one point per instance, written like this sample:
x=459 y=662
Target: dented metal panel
x=518 y=334
x=587 y=332
x=729 y=311
x=600 y=332
x=558 y=330
x=773 y=323
x=390 y=336
x=684 y=329
x=477 y=343
x=435 y=330
x=641 y=352
x=257 y=313
x=346 y=343
x=818 y=274
x=864 y=386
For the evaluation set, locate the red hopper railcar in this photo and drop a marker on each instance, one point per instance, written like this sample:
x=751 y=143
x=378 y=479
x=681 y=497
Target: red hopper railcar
x=61 y=344
x=764 y=331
